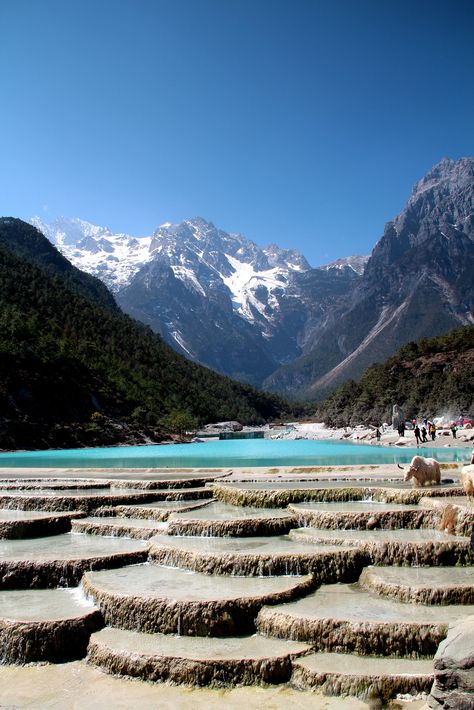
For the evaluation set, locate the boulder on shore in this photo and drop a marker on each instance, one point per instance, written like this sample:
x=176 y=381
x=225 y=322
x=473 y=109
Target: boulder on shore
x=453 y=687
x=218 y=427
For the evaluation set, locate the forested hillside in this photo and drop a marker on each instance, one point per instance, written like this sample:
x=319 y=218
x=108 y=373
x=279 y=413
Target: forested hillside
x=432 y=377
x=74 y=370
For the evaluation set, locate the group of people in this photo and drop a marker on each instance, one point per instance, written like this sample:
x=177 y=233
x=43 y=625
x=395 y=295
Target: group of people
x=421 y=433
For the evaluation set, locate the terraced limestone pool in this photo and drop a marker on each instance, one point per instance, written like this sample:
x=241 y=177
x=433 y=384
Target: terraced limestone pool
x=221 y=597
x=247 y=452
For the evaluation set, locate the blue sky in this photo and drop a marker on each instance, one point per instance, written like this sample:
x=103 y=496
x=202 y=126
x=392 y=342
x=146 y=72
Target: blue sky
x=300 y=122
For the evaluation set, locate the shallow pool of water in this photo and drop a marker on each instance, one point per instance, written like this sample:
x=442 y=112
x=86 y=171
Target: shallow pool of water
x=59 y=492
x=350 y=602
x=274 y=545
x=70 y=546
x=159 y=582
x=6 y=515
x=352 y=507
x=43 y=604
x=224 y=511
x=202 y=647
x=79 y=686
x=408 y=536
x=246 y=452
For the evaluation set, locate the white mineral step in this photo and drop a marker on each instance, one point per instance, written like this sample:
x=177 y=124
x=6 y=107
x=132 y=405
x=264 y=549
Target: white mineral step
x=158 y=511
x=225 y=511
x=85 y=498
x=346 y=618
x=395 y=547
x=257 y=556
x=356 y=506
x=313 y=485
x=152 y=598
x=60 y=560
x=362 y=515
x=341 y=673
x=425 y=585
x=281 y=544
x=221 y=519
x=173 y=505
x=360 y=537
x=45 y=625
x=139 y=528
x=15 y=524
x=7 y=514
x=52 y=492
x=174 y=584
x=46 y=483
x=194 y=660
x=67 y=547
x=281 y=493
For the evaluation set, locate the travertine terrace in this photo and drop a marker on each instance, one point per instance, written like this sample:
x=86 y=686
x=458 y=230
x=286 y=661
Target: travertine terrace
x=330 y=582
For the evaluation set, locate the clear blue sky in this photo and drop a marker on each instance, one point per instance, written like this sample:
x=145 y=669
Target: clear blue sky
x=300 y=122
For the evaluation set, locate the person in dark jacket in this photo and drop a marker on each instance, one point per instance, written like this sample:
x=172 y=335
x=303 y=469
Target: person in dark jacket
x=417 y=435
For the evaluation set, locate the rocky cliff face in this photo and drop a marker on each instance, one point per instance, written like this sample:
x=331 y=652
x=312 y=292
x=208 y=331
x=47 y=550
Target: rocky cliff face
x=417 y=283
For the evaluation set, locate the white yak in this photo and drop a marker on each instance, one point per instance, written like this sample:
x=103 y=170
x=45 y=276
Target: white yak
x=422 y=471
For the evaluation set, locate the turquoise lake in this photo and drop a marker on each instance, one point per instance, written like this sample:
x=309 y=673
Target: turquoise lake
x=217 y=454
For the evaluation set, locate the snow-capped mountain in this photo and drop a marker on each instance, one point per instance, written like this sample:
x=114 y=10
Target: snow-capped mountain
x=117 y=258
x=356 y=263
x=202 y=257
x=114 y=258
x=216 y=297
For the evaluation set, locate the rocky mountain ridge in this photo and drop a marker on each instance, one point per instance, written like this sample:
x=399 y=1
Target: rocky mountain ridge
x=265 y=316
x=417 y=283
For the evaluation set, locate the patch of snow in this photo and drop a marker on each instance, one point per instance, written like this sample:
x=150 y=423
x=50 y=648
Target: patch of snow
x=176 y=335
x=114 y=258
x=243 y=283
x=188 y=275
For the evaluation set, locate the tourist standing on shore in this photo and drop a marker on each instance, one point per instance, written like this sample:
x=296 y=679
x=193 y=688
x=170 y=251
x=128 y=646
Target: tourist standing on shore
x=432 y=430
x=424 y=437
x=417 y=435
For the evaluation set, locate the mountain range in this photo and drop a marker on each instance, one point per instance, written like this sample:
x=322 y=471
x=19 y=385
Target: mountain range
x=216 y=298
x=75 y=370
x=265 y=316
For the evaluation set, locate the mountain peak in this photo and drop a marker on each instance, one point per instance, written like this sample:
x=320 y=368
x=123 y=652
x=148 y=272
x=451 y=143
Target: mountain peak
x=113 y=258
x=356 y=263
x=449 y=175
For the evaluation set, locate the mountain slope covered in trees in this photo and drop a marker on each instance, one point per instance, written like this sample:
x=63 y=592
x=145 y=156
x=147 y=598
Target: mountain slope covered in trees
x=431 y=377
x=75 y=370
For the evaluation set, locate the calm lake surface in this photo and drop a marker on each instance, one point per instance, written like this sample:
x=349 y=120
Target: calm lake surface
x=218 y=454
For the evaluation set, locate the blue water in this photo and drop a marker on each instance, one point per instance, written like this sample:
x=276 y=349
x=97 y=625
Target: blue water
x=218 y=454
